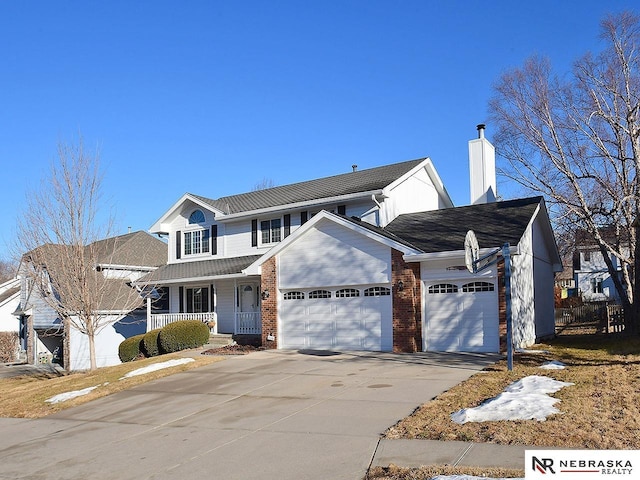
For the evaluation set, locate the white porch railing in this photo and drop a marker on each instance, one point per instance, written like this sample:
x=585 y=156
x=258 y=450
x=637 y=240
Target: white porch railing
x=248 y=323
x=159 y=320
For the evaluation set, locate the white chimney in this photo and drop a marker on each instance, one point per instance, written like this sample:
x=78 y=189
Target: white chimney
x=482 y=169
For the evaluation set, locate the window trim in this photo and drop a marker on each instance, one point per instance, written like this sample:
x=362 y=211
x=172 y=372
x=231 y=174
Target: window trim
x=442 y=288
x=478 y=286
x=293 y=295
x=273 y=233
x=321 y=293
x=203 y=242
x=347 y=293
x=377 y=291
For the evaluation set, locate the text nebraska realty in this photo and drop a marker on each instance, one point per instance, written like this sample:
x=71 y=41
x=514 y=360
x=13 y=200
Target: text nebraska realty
x=605 y=467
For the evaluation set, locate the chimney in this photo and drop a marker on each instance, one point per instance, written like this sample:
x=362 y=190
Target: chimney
x=354 y=167
x=482 y=169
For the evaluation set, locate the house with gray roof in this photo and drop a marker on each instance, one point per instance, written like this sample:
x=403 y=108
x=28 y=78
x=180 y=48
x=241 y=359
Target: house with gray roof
x=120 y=260
x=371 y=259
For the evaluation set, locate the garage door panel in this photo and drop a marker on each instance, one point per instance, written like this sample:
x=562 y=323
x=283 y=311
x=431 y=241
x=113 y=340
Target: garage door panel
x=345 y=323
x=461 y=321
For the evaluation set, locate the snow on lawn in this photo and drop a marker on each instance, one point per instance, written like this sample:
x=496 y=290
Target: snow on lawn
x=469 y=477
x=62 y=397
x=158 y=366
x=525 y=399
x=553 y=365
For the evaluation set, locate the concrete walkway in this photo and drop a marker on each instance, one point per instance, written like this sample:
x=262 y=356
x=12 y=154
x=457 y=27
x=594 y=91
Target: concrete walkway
x=270 y=414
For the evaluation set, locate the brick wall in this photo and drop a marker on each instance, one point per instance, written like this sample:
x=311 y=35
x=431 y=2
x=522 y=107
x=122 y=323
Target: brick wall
x=269 y=306
x=407 y=308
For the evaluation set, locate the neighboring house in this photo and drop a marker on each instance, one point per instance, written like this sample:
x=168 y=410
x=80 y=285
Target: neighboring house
x=367 y=260
x=592 y=278
x=9 y=301
x=121 y=260
x=566 y=282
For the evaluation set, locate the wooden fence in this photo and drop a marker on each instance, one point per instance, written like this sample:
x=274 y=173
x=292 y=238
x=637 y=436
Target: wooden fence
x=608 y=317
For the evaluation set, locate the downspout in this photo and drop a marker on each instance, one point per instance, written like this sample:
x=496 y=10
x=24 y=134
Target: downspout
x=375 y=200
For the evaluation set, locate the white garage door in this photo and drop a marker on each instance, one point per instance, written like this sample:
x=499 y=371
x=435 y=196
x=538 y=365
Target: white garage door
x=343 y=319
x=462 y=317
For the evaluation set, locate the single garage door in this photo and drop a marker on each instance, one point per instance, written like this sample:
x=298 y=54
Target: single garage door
x=462 y=317
x=341 y=319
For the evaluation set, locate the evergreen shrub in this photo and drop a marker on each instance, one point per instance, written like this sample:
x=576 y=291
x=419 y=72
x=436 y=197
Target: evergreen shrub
x=130 y=348
x=182 y=335
x=150 y=343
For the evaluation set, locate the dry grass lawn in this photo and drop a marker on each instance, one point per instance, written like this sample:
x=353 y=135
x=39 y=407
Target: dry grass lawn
x=601 y=411
x=25 y=396
x=428 y=472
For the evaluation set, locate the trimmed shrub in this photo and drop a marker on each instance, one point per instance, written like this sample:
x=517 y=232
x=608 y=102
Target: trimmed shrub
x=183 y=335
x=130 y=348
x=150 y=344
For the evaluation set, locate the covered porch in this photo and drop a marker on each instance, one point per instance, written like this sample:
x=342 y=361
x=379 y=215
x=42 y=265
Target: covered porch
x=215 y=292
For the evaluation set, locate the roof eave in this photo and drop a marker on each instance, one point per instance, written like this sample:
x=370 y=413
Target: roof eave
x=158 y=228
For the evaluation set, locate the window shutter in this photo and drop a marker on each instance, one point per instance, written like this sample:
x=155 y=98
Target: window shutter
x=178 y=244
x=287 y=225
x=181 y=298
x=205 y=300
x=304 y=216
x=213 y=300
x=342 y=209
x=214 y=239
x=254 y=233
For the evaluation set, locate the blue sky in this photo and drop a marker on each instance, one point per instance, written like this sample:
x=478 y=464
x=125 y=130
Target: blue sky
x=213 y=97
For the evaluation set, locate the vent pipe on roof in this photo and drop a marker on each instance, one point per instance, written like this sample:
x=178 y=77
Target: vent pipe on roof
x=354 y=167
x=482 y=169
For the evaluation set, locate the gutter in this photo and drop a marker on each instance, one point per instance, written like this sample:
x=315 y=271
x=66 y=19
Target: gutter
x=423 y=257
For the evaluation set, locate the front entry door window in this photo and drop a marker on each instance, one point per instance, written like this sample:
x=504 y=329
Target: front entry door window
x=248 y=298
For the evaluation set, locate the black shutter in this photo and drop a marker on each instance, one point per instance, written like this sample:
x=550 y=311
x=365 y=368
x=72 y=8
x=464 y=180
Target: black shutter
x=213 y=300
x=254 y=233
x=181 y=298
x=287 y=225
x=178 y=244
x=205 y=300
x=342 y=209
x=214 y=239
x=304 y=216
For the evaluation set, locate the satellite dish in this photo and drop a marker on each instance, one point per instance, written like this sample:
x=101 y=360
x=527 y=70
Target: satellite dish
x=471 y=251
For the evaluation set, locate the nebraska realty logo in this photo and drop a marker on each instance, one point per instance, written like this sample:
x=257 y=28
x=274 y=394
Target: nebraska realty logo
x=584 y=464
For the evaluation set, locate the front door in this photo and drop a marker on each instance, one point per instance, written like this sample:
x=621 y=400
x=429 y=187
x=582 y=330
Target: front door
x=248 y=298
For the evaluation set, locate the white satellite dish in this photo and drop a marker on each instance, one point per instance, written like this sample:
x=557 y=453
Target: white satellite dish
x=471 y=251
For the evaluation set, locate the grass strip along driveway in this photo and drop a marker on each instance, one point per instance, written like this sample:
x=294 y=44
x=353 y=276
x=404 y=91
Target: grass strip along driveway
x=600 y=411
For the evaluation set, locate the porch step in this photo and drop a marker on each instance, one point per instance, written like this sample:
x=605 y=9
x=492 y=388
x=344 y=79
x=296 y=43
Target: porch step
x=217 y=340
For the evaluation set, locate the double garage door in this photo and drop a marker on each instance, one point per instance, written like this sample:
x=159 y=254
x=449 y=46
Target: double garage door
x=336 y=319
x=461 y=317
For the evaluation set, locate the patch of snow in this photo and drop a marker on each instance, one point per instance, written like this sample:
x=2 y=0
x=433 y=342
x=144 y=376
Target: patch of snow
x=524 y=350
x=553 y=365
x=63 y=397
x=158 y=366
x=525 y=399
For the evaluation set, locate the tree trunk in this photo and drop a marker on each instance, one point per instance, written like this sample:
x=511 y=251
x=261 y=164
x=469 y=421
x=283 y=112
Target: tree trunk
x=92 y=350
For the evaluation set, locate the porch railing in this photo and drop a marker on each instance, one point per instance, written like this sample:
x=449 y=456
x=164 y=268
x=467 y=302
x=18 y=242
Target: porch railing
x=159 y=320
x=248 y=323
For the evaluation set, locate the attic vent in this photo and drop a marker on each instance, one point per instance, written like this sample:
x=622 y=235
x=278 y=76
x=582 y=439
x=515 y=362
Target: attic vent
x=354 y=167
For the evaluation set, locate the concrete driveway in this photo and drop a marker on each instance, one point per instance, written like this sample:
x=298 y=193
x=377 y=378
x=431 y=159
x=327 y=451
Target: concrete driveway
x=267 y=415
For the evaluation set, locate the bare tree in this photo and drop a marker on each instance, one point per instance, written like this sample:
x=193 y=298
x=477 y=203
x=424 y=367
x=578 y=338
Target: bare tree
x=63 y=235
x=576 y=140
x=264 y=184
x=7 y=270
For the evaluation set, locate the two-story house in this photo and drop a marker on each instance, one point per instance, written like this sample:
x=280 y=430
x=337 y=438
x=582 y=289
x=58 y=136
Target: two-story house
x=367 y=260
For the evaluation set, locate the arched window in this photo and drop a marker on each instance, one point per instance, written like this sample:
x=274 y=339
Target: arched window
x=196 y=217
x=347 y=292
x=443 y=288
x=294 y=296
x=376 y=292
x=320 y=294
x=478 y=287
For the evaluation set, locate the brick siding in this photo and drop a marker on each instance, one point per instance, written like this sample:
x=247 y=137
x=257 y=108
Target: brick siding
x=407 y=305
x=269 y=306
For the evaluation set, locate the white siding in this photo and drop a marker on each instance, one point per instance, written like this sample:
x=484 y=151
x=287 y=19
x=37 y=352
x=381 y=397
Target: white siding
x=106 y=342
x=334 y=255
x=415 y=194
x=522 y=294
x=225 y=308
x=543 y=284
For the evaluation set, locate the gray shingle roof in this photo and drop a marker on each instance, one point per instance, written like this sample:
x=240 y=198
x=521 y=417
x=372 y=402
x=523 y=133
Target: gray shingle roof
x=337 y=185
x=200 y=269
x=445 y=230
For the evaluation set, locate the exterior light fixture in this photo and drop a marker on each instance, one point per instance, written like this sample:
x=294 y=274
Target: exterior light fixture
x=400 y=286
x=265 y=294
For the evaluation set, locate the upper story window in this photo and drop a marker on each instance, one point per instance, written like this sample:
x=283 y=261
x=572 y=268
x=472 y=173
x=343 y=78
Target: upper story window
x=196 y=242
x=196 y=217
x=271 y=230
